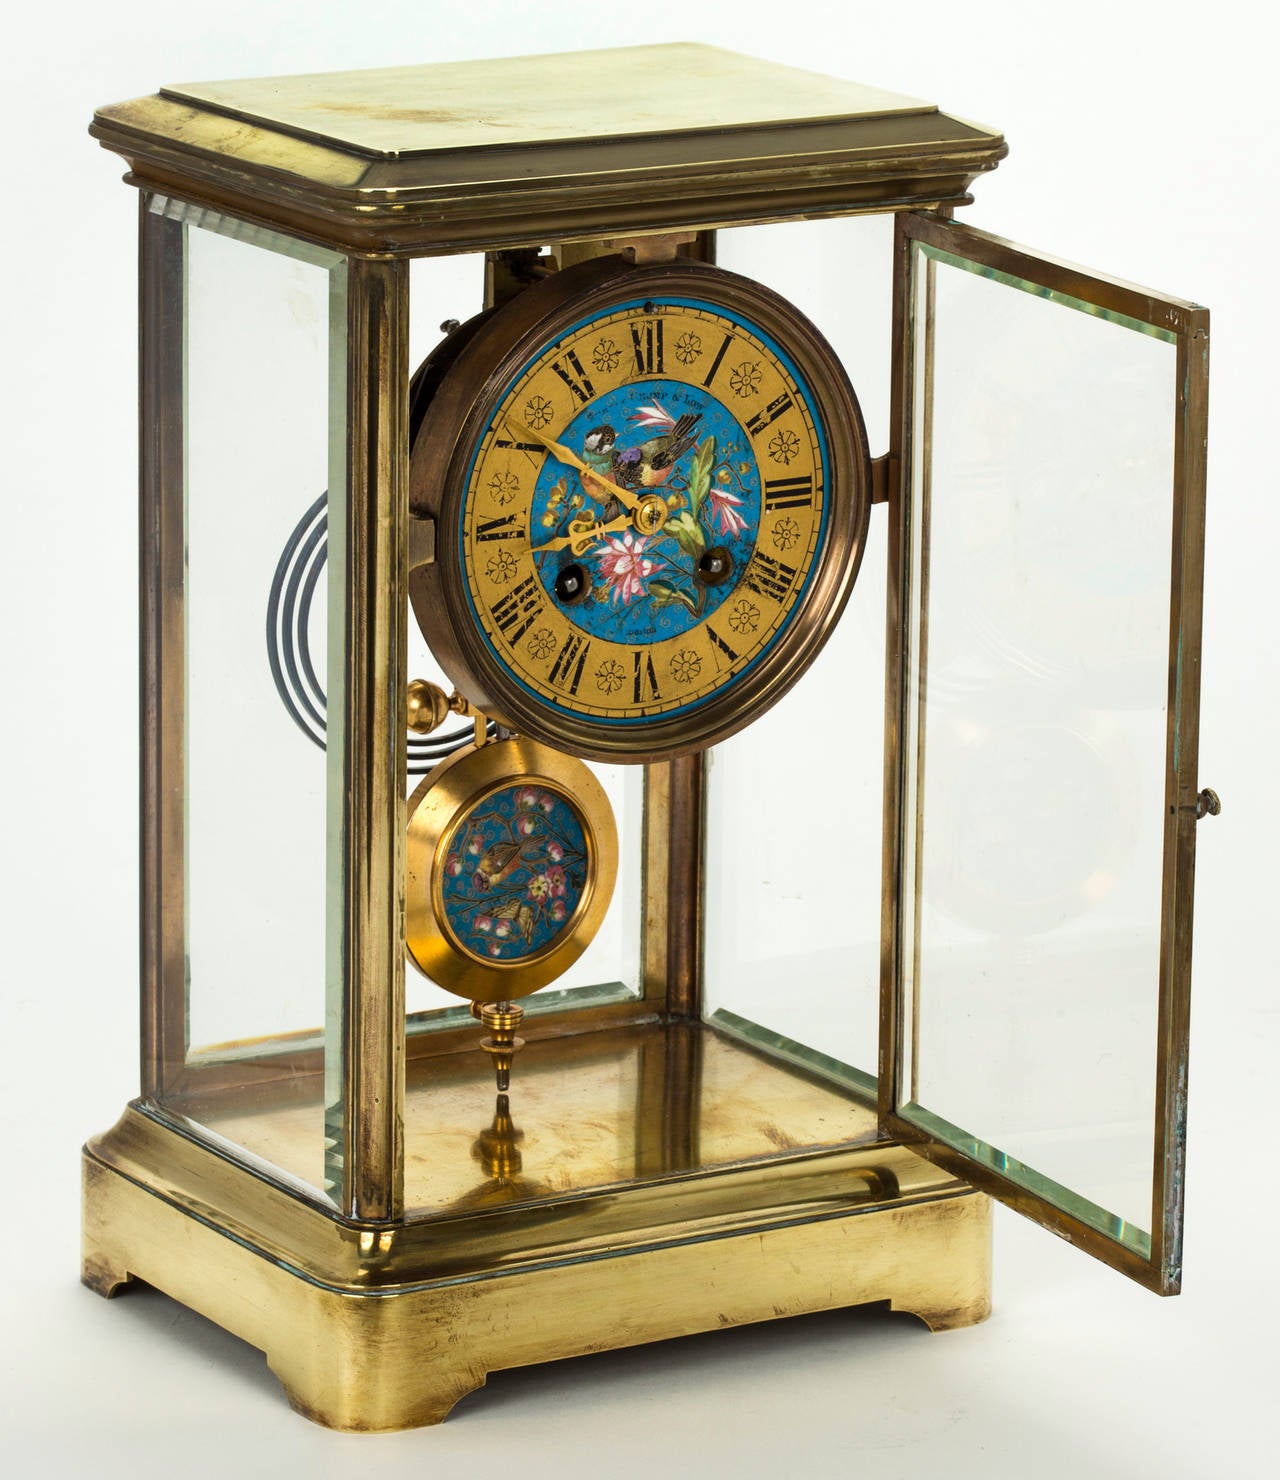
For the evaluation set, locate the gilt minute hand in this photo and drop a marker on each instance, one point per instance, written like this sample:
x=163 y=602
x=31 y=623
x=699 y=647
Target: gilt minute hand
x=563 y=454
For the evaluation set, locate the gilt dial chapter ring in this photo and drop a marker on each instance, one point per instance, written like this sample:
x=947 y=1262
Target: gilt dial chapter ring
x=651 y=489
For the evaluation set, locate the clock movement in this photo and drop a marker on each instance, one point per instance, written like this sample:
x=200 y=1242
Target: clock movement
x=550 y=939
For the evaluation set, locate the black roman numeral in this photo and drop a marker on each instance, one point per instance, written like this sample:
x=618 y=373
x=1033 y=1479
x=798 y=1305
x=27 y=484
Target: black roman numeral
x=646 y=340
x=566 y=671
x=643 y=663
x=720 y=646
x=504 y=528
x=720 y=354
x=769 y=577
x=770 y=414
x=788 y=493
x=575 y=377
x=519 y=609
x=533 y=450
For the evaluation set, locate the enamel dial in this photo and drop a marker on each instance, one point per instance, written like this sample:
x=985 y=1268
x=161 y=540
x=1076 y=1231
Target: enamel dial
x=650 y=494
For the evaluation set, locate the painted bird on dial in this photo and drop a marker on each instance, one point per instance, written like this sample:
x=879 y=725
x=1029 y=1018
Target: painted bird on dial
x=648 y=463
x=498 y=863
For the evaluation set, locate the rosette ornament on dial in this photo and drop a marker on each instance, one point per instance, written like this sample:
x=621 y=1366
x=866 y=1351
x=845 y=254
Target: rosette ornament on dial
x=650 y=487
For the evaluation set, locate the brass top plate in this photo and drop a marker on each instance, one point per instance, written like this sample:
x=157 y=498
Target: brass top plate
x=568 y=96
x=521 y=151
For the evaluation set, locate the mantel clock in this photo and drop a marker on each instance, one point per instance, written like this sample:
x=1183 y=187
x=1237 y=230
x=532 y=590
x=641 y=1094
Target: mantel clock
x=559 y=931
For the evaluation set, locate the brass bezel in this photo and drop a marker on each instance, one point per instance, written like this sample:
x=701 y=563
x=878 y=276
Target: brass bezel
x=439 y=807
x=459 y=417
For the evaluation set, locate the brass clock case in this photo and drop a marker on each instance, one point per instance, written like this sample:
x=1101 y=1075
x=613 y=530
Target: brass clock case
x=511 y=858
x=468 y=404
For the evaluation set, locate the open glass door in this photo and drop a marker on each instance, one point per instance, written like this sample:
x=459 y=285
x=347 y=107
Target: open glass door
x=1042 y=716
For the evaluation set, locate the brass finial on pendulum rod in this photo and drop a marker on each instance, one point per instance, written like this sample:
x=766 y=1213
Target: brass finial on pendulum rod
x=501 y=1019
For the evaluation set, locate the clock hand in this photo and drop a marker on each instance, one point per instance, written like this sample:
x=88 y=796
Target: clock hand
x=584 y=533
x=563 y=454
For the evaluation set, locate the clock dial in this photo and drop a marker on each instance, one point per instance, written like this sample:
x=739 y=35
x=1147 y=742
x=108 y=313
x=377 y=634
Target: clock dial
x=656 y=512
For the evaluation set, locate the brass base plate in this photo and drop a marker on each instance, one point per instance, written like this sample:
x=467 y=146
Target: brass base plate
x=379 y=1327
x=601 y=1109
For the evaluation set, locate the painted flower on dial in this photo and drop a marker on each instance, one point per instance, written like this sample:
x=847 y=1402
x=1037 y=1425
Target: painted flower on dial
x=483 y=922
x=610 y=676
x=624 y=566
x=605 y=356
x=538 y=412
x=783 y=447
x=785 y=533
x=745 y=379
x=526 y=825
x=549 y=884
x=500 y=567
x=559 y=910
x=724 y=509
x=554 y=851
x=685 y=666
x=542 y=643
x=504 y=487
x=453 y=865
x=688 y=348
x=527 y=797
x=745 y=616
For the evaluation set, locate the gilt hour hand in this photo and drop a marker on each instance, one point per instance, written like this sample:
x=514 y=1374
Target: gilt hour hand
x=583 y=533
x=563 y=454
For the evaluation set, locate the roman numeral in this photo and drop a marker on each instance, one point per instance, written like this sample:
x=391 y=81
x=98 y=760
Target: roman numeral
x=768 y=577
x=519 y=446
x=788 y=493
x=569 y=663
x=519 y=609
x=643 y=663
x=720 y=646
x=646 y=340
x=504 y=528
x=720 y=354
x=575 y=377
x=770 y=414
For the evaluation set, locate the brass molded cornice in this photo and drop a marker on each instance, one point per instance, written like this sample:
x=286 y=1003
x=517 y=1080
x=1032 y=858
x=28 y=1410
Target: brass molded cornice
x=344 y=158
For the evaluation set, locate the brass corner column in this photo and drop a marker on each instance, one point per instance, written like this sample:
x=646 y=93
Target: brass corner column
x=374 y=560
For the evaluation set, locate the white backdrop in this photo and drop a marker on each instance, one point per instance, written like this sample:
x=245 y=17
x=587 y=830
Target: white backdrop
x=1142 y=145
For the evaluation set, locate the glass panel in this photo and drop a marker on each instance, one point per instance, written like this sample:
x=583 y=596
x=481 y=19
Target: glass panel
x=264 y=421
x=1042 y=520
x=794 y=801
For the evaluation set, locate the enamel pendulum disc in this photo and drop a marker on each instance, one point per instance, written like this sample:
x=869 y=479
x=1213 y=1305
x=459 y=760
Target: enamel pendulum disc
x=512 y=856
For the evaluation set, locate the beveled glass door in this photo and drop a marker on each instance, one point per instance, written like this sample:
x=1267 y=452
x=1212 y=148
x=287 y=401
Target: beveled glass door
x=1041 y=735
